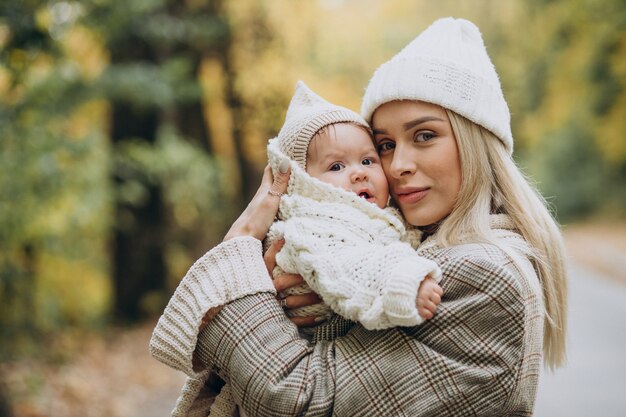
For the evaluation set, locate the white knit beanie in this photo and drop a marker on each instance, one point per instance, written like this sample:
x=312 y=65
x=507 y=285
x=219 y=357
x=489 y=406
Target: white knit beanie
x=306 y=115
x=447 y=65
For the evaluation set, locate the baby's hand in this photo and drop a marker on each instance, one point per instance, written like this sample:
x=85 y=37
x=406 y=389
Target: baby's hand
x=428 y=298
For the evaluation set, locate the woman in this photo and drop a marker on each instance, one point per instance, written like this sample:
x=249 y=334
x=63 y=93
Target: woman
x=443 y=132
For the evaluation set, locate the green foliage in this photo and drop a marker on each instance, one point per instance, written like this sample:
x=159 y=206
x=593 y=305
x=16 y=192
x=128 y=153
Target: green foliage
x=53 y=211
x=195 y=189
x=54 y=198
x=571 y=87
x=150 y=85
x=601 y=75
x=571 y=169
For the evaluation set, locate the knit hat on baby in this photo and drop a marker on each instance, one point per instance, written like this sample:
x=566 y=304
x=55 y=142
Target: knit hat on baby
x=306 y=115
x=447 y=65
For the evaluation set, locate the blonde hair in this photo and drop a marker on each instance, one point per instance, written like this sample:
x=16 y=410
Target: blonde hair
x=492 y=182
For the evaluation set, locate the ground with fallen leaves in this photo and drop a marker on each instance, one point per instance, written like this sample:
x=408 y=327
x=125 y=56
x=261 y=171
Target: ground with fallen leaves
x=112 y=375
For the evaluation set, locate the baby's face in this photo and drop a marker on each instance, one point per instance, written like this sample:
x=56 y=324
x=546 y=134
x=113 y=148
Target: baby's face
x=343 y=155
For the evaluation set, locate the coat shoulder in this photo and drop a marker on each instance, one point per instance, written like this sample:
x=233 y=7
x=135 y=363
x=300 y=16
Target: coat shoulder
x=487 y=265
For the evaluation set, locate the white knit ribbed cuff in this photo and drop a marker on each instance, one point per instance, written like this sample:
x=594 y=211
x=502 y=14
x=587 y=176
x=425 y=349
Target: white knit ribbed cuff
x=195 y=398
x=229 y=271
x=401 y=289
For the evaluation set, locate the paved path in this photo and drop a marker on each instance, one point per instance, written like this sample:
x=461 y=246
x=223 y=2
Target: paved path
x=594 y=381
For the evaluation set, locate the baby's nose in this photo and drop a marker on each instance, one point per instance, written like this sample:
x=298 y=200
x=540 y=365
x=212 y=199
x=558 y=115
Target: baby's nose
x=358 y=174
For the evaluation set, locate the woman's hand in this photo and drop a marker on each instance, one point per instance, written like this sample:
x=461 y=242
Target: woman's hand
x=285 y=281
x=257 y=218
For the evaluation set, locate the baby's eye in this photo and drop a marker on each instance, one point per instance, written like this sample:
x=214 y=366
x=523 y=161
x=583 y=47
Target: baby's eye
x=335 y=167
x=367 y=161
x=384 y=147
x=424 y=136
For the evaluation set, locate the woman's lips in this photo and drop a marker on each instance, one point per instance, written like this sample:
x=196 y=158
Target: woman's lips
x=411 y=195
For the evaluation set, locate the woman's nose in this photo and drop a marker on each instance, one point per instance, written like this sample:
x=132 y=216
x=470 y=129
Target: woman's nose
x=403 y=163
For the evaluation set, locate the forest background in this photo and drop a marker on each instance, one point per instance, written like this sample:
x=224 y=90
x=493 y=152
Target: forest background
x=132 y=132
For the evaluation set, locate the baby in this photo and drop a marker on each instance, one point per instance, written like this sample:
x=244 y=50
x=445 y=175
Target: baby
x=350 y=248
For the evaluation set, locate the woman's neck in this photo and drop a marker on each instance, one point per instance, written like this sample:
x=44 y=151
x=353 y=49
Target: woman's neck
x=429 y=230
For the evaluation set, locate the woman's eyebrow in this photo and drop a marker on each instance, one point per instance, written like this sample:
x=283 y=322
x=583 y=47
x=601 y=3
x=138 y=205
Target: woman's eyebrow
x=420 y=120
x=411 y=124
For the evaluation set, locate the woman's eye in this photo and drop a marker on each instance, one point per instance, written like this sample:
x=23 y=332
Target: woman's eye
x=384 y=147
x=424 y=136
x=335 y=167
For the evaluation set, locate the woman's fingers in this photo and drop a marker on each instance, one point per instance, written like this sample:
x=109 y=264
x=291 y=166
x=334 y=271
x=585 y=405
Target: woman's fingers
x=270 y=256
x=307 y=321
x=301 y=300
x=286 y=281
x=281 y=179
x=257 y=218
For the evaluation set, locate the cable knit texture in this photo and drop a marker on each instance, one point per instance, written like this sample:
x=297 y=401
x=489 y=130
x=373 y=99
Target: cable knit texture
x=447 y=65
x=353 y=254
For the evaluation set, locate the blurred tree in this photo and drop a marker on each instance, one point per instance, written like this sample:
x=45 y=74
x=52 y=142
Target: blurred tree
x=44 y=145
x=156 y=49
x=568 y=93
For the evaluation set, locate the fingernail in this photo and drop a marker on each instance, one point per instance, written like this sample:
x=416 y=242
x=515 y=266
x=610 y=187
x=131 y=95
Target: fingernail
x=283 y=167
x=319 y=319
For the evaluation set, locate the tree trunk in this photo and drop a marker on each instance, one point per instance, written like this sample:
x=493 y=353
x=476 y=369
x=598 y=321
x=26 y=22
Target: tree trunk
x=138 y=255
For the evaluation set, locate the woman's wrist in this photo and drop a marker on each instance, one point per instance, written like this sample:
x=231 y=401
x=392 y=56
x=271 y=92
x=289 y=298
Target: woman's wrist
x=258 y=216
x=231 y=234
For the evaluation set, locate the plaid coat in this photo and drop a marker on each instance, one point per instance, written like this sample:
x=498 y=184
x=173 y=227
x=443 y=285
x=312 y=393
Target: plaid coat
x=480 y=355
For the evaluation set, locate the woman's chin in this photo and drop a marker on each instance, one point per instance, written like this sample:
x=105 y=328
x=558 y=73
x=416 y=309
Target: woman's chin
x=418 y=218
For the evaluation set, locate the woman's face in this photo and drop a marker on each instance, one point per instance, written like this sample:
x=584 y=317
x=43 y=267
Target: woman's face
x=420 y=158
